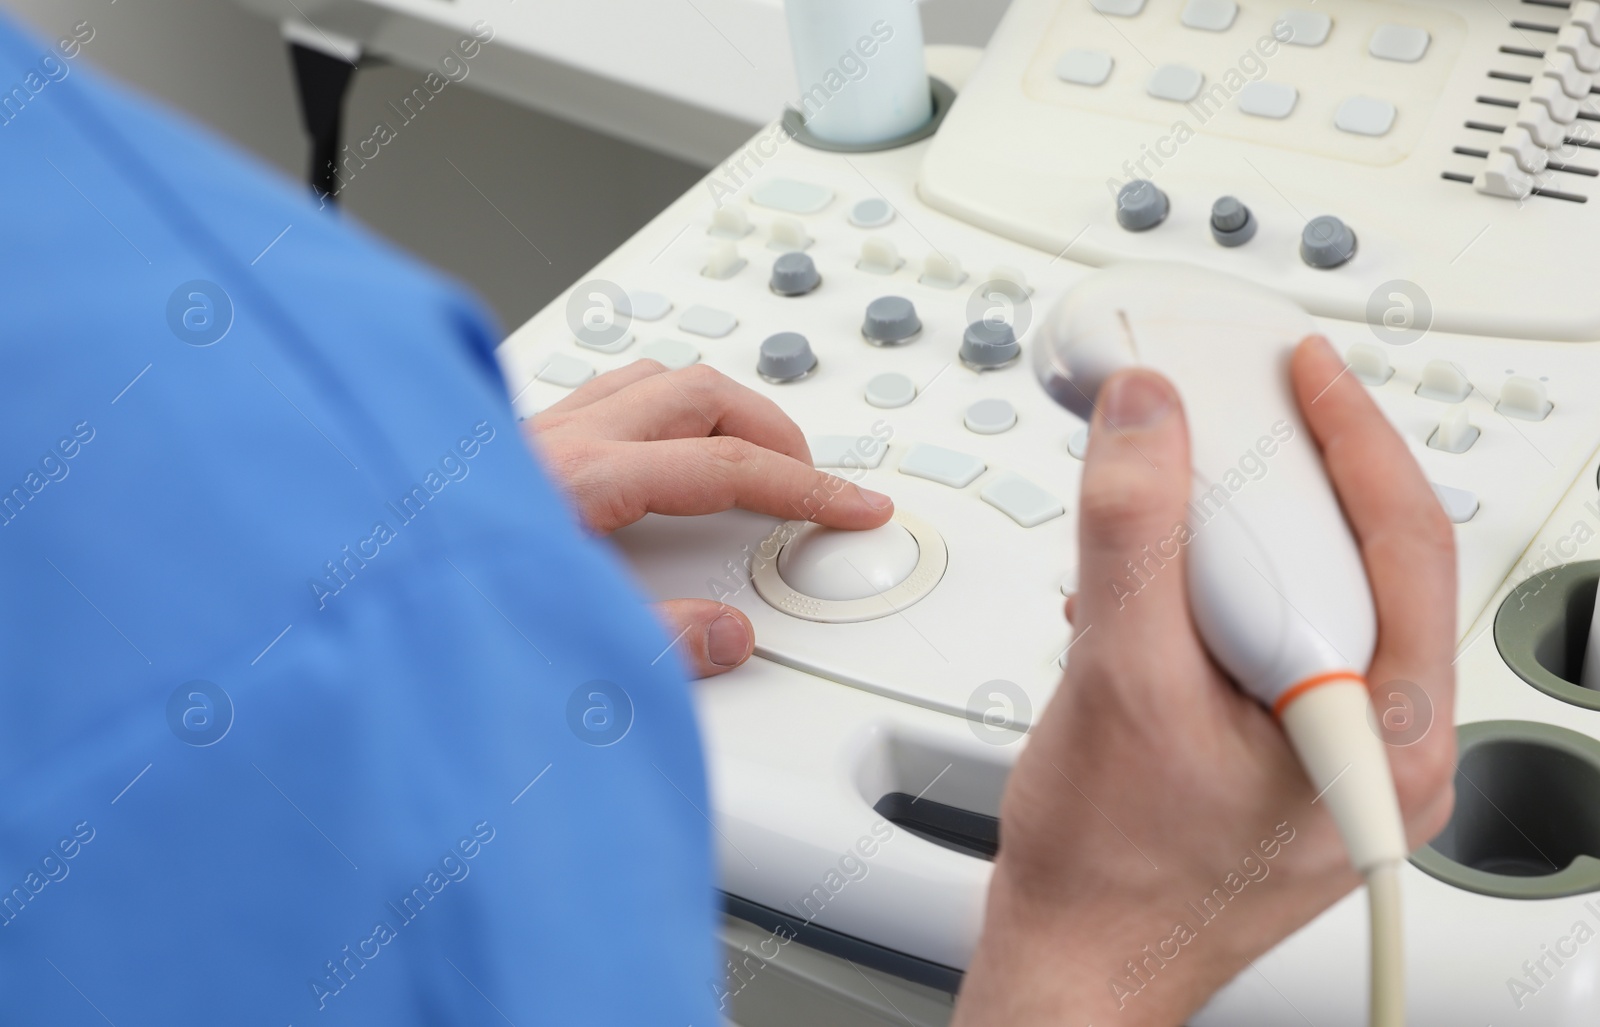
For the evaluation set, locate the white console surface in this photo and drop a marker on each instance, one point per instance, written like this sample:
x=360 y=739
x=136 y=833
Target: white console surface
x=831 y=716
x=997 y=612
x=1028 y=154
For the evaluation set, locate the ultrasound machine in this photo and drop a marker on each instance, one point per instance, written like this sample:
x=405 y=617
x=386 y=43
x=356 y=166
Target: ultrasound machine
x=882 y=261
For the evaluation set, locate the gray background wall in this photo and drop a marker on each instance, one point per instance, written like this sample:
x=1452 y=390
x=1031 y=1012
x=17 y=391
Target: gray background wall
x=570 y=195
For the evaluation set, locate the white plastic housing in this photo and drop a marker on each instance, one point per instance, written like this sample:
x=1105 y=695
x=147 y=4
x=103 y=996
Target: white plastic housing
x=860 y=67
x=1276 y=581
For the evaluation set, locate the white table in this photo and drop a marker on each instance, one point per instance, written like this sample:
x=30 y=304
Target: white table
x=690 y=78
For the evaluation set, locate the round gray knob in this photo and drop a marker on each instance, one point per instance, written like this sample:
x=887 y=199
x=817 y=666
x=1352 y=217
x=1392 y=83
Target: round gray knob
x=785 y=357
x=1140 y=205
x=1232 y=224
x=890 y=321
x=1327 y=242
x=794 y=274
x=989 y=344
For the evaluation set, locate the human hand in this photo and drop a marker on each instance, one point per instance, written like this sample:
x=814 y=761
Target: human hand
x=642 y=439
x=1151 y=784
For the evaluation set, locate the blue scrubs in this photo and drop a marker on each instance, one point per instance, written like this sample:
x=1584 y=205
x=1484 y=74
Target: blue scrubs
x=318 y=706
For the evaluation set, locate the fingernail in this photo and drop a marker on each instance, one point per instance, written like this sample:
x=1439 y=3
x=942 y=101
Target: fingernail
x=1137 y=399
x=726 y=641
x=876 y=500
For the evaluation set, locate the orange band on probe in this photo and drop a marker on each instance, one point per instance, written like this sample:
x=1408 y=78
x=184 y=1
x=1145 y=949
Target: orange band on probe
x=1301 y=688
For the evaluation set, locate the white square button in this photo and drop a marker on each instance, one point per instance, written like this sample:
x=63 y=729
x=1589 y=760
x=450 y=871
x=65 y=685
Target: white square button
x=1084 y=67
x=1175 y=82
x=707 y=321
x=945 y=466
x=1268 y=99
x=849 y=451
x=673 y=354
x=567 y=372
x=1398 y=43
x=646 y=306
x=1121 y=8
x=1302 y=28
x=790 y=196
x=1210 y=15
x=1364 y=116
x=1021 y=500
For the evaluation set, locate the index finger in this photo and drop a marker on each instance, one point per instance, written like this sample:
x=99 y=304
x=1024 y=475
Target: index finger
x=685 y=477
x=1406 y=541
x=695 y=402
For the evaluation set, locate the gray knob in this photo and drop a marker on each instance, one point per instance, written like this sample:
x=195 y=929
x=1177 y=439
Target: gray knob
x=1140 y=205
x=794 y=274
x=989 y=344
x=890 y=321
x=1327 y=242
x=1232 y=224
x=785 y=357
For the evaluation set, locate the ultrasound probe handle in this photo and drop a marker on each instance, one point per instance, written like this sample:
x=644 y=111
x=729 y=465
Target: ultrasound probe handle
x=1276 y=581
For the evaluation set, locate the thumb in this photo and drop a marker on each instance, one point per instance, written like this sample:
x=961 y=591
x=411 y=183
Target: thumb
x=711 y=637
x=1132 y=526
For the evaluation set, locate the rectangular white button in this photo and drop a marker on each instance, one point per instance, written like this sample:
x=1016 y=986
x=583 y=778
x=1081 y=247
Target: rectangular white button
x=567 y=372
x=1459 y=504
x=1268 y=99
x=848 y=451
x=1121 y=8
x=1174 y=82
x=1398 y=43
x=1084 y=67
x=1021 y=500
x=1210 y=15
x=601 y=344
x=707 y=321
x=792 y=197
x=945 y=466
x=1303 y=28
x=673 y=354
x=1364 y=116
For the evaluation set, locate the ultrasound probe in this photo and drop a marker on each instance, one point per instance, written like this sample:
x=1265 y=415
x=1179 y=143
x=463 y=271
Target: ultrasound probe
x=1276 y=581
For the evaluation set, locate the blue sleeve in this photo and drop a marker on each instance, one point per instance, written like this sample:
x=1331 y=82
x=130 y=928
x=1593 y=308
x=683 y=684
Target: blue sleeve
x=318 y=707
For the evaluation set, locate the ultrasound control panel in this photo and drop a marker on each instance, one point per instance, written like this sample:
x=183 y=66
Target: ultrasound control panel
x=1455 y=141
x=887 y=301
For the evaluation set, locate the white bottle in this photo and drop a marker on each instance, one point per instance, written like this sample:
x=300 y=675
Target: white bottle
x=859 y=64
